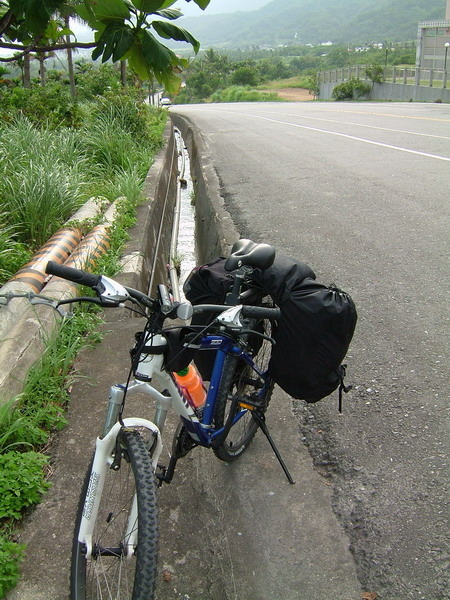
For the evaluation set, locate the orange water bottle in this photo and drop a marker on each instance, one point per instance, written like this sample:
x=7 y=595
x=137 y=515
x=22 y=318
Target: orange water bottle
x=191 y=385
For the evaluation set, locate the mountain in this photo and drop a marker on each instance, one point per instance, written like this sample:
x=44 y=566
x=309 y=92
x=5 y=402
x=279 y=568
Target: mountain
x=314 y=22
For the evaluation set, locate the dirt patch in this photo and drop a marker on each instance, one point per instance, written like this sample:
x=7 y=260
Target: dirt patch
x=293 y=94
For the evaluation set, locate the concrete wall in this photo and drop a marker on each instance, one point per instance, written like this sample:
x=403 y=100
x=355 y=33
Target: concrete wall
x=395 y=92
x=146 y=254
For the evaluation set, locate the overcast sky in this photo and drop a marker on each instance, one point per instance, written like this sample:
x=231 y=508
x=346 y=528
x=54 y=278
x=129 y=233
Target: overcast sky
x=190 y=9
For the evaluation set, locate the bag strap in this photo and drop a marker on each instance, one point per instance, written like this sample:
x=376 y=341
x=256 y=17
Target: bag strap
x=342 y=387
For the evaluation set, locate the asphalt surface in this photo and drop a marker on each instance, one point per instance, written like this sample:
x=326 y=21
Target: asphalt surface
x=361 y=193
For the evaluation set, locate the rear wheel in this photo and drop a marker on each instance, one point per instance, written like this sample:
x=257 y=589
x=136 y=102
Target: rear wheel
x=242 y=386
x=114 y=570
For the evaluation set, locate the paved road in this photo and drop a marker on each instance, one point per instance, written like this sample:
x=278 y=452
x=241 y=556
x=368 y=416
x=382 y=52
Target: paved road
x=360 y=192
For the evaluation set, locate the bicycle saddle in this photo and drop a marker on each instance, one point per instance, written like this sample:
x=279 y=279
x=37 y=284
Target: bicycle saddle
x=246 y=252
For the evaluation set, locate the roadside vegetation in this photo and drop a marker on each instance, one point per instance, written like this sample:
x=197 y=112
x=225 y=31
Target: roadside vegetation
x=249 y=75
x=56 y=153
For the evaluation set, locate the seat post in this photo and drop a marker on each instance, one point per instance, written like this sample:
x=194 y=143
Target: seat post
x=232 y=298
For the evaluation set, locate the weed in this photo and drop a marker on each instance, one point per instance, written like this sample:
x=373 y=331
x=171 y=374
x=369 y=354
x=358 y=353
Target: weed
x=10 y=556
x=351 y=89
x=22 y=482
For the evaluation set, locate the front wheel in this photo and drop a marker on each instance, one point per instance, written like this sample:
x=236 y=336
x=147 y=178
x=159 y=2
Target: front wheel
x=115 y=570
x=242 y=386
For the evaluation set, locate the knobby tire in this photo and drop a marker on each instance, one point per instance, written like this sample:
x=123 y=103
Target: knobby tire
x=112 y=577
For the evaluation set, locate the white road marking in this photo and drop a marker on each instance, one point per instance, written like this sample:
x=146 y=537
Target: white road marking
x=346 y=135
x=442 y=137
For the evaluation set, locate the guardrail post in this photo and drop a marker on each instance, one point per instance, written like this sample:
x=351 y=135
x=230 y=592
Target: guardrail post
x=417 y=76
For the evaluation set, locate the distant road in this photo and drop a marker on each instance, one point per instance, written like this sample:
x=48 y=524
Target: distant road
x=361 y=192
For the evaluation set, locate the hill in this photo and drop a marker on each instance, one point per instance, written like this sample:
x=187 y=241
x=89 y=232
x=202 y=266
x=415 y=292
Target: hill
x=315 y=21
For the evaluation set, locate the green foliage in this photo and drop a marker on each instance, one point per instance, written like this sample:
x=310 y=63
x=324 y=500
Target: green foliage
x=50 y=106
x=13 y=254
x=49 y=173
x=13 y=427
x=352 y=89
x=122 y=29
x=242 y=94
x=245 y=75
x=94 y=81
x=22 y=482
x=375 y=73
x=312 y=84
x=43 y=182
x=122 y=135
x=10 y=556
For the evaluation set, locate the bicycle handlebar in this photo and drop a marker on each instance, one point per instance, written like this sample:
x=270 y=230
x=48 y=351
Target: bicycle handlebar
x=248 y=311
x=260 y=312
x=95 y=282
x=71 y=274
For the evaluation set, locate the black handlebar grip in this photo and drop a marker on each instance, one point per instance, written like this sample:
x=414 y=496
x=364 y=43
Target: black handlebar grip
x=71 y=274
x=261 y=312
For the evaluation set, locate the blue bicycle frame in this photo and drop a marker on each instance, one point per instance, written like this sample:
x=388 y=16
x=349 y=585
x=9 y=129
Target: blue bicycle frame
x=204 y=431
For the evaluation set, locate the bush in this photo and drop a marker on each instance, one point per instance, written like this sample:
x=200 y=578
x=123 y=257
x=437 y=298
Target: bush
x=352 y=89
x=13 y=254
x=10 y=556
x=44 y=179
x=49 y=106
x=245 y=75
x=22 y=482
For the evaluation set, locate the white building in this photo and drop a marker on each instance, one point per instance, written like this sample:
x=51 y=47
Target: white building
x=432 y=51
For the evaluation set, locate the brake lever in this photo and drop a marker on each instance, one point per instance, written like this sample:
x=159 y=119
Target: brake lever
x=52 y=304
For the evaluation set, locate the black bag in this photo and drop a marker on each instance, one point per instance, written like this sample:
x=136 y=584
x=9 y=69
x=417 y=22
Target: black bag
x=312 y=338
x=210 y=284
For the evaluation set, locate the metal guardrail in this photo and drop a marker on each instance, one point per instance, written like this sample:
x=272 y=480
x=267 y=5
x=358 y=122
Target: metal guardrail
x=426 y=77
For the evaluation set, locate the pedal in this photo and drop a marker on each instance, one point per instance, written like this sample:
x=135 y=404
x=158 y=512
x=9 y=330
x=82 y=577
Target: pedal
x=252 y=402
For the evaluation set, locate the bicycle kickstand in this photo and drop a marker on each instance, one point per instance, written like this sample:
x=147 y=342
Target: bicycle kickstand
x=261 y=420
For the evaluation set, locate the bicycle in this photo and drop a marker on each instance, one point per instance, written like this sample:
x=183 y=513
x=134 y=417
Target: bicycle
x=114 y=551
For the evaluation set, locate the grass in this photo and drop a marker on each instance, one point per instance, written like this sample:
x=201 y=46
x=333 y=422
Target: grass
x=49 y=173
x=292 y=82
x=244 y=94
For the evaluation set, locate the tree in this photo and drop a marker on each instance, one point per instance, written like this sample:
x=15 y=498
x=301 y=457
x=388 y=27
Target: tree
x=245 y=75
x=124 y=29
x=375 y=73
